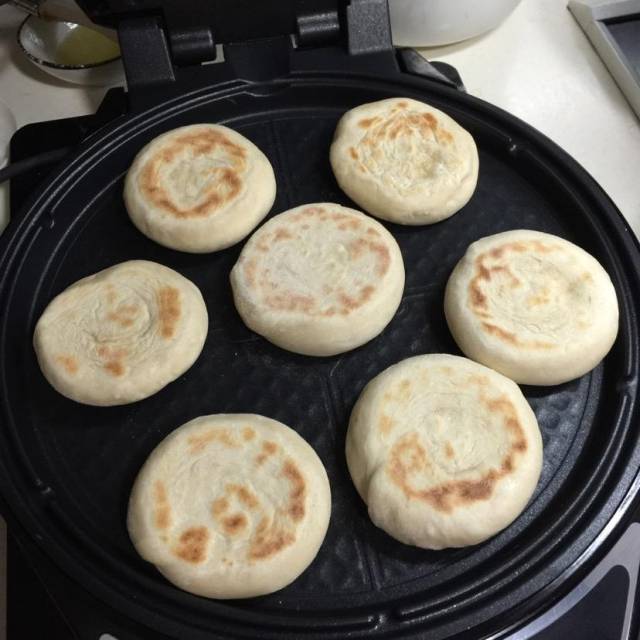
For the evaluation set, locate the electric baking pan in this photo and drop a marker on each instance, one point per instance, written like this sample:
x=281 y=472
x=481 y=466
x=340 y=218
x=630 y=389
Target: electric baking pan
x=66 y=469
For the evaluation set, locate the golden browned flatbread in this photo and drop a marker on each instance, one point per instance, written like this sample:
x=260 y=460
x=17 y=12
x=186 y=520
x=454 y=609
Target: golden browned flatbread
x=533 y=306
x=445 y=452
x=121 y=334
x=319 y=279
x=230 y=506
x=199 y=188
x=404 y=161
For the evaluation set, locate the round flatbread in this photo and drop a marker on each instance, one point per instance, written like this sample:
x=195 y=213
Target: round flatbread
x=121 y=334
x=319 y=279
x=199 y=188
x=230 y=506
x=404 y=161
x=533 y=306
x=445 y=452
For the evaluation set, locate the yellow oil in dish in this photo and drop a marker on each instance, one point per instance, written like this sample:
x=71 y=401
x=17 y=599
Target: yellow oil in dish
x=86 y=46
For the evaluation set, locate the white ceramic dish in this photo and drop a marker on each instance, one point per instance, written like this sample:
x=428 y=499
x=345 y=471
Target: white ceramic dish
x=40 y=41
x=428 y=23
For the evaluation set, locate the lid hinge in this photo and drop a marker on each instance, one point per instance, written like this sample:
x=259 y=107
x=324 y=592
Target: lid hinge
x=365 y=22
x=192 y=45
x=316 y=27
x=146 y=56
x=368 y=26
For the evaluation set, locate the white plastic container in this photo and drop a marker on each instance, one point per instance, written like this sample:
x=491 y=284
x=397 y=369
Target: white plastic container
x=427 y=23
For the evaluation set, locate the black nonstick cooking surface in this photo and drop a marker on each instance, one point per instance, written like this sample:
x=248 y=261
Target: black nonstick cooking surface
x=66 y=469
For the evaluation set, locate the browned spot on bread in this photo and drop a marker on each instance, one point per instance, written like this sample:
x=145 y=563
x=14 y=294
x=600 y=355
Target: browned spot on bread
x=168 y=310
x=282 y=234
x=430 y=119
x=291 y=302
x=365 y=123
x=224 y=181
x=106 y=352
x=397 y=130
x=297 y=493
x=219 y=506
x=517 y=247
x=402 y=104
x=511 y=338
x=351 y=224
x=249 y=269
x=386 y=424
x=124 y=315
x=541 y=247
x=268 y=449
x=384 y=257
x=470 y=490
x=115 y=368
x=114 y=359
x=408 y=463
x=353 y=153
x=357 y=248
x=248 y=433
x=480 y=381
x=372 y=232
x=503 y=406
x=586 y=276
x=348 y=303
x=234 y=524
x=269 y=539
x=312 y=211
x=444 y=136
x=198 y=442
x=69 y=363
x=520 y=445
x=407 y=456
x=192 y=546
x=244 y=495
x=477 y=298
x=162 y=507
x=507 y=336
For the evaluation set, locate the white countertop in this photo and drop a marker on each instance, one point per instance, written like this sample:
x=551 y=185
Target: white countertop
x=538 y=65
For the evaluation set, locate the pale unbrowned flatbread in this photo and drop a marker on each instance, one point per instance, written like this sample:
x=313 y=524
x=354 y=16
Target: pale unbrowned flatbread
x=445 y=452
x=533 y=306
x=199 y=188
x=121 y=334
x=319 y=279
x=230 y=506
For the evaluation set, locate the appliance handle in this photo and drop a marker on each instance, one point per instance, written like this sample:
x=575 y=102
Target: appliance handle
x=15 y=169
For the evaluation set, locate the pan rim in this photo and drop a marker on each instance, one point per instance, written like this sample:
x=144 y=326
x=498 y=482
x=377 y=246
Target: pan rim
x=61 y=178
